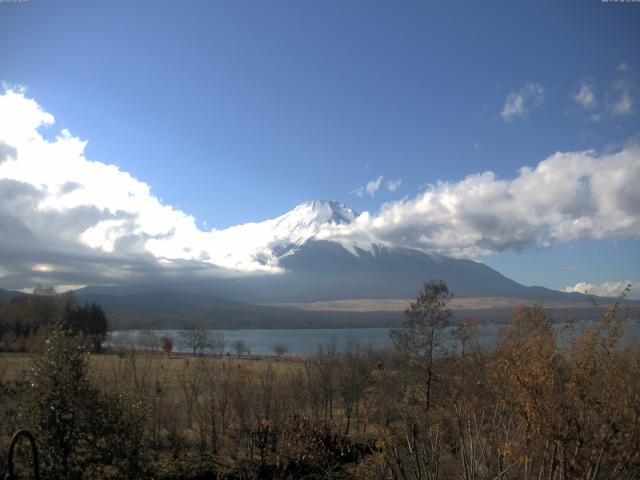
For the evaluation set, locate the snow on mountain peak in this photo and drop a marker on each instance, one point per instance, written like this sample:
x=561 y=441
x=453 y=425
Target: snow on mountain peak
x=308 y=218
x=322 y=212
x=260 y=245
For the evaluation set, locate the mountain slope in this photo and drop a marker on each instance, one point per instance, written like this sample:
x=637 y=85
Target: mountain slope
x=324 y=270
x=174 y=309
x=7 y=295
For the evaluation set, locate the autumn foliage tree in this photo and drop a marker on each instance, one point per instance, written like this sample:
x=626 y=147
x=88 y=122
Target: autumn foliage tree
x=574 y=397
x=166 y=344
x=552 y=401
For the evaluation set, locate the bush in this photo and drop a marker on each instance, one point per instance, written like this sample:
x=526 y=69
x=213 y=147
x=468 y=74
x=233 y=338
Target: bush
x=61 y=397
x=80 y=429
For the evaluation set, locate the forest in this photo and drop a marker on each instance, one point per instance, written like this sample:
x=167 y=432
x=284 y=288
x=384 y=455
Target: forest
x=548 y=401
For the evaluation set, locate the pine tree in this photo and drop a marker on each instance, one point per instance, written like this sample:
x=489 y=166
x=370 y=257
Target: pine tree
x=420 y=336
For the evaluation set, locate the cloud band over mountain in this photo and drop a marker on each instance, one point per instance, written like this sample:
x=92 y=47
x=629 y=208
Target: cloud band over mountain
x=568 y=196
x=65 y=219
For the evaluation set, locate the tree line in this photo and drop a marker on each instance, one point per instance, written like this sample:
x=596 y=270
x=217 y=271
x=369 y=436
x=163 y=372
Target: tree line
x=26 y=320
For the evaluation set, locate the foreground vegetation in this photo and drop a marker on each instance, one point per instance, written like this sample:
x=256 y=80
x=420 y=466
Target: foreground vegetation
x=545 y=403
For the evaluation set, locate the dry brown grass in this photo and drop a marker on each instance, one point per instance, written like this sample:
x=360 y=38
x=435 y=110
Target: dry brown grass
x=399 y=305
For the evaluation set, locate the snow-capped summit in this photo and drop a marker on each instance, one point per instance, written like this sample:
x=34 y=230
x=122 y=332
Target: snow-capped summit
x=308 y=218
x=260 y=245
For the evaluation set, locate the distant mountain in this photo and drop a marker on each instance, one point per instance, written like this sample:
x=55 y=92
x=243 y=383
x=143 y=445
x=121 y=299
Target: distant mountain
x=173 y=309
x=157 y=309
x=7 y=295
x=317 y=269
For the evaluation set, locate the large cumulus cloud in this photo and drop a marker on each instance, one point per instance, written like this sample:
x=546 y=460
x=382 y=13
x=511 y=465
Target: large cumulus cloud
x=568 y=196
x=67 y=219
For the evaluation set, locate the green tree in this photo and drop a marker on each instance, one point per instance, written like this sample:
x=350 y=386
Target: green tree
x=88 y=321
x=81 y=429
x=60 y=394
x=421 y=334
x=96 y=327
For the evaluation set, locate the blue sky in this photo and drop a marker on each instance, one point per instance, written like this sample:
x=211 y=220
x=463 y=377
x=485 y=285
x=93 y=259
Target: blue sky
x=237 y=111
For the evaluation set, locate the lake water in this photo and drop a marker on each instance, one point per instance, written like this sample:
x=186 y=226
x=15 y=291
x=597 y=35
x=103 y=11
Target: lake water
x=307 y=341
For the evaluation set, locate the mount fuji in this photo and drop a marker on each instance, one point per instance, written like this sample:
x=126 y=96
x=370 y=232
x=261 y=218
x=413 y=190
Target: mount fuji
x=316 y=268
x=309 y=218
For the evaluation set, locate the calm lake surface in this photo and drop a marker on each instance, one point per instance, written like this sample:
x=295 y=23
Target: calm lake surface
x=307 y=341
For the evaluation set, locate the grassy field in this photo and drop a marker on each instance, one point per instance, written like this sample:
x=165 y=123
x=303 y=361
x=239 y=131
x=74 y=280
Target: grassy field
x=15 y=366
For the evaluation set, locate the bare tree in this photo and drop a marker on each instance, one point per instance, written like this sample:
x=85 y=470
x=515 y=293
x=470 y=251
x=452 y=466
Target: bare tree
x=197 y=339
x=218 y=343
x=210 y=409
x=466 y=335
x=353 y=376
x=240 y=347
x=413 y=450
x=190 y=382
x=321 y=377
x=138 y=362
x=148 y=340
x=280 y=349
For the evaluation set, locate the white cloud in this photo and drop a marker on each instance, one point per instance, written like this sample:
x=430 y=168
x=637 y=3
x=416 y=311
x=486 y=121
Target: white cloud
x=623 y=105
x=54 y=194
x=393 y=185
x=358 y=192
x=617 y=100
x=85 y=221
x=371 y=188
x=519 y=102
x=514 y=106
x=623 y=101
x=606 y=289
x=586 y=97
x=568 y=196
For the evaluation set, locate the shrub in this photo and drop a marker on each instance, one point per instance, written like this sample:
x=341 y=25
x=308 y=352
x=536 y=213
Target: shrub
x=80 y=429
